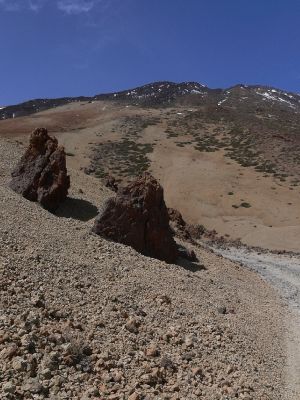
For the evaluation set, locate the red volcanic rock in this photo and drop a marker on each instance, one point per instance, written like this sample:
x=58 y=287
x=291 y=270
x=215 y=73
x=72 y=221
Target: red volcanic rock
x=41 y=174
x=138 y=217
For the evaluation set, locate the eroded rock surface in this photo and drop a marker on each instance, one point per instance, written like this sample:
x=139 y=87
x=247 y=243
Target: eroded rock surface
x=138 y=217
x=41 y=174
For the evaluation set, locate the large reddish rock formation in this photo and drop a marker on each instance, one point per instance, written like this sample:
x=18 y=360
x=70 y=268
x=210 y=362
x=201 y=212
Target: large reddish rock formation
x=138 y=217
x=41 y=174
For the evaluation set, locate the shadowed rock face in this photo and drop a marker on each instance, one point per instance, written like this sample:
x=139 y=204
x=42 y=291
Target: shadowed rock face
x=41 y=174
x=138 y=217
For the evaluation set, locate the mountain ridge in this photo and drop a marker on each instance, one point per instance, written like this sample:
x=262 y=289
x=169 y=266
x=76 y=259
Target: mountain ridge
x=163 y=93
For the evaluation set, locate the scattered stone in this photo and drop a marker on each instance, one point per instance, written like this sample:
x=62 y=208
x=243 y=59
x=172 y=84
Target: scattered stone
x=167 y=363
x=152 y=351
x=46 y=373
x=196 y=371
x=222 y=310
x=89 y=170
x=132 y=325
x=163 y=299
x=33 y=386
x=189 y=340
x=19 y=364
x=111 y=183
x=9 y=387
x=134 y=396
x=38 y=301
x=87 y=351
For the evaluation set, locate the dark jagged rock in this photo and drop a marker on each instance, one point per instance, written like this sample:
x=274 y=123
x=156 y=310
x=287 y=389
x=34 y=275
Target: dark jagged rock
x=89 y=170
x=111 y=183
x=41 y=174
x=179 y=226
x=182 y=230
x=138 y=217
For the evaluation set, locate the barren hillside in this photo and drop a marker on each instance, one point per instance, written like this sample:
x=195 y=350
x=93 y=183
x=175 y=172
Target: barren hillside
x=82 y=317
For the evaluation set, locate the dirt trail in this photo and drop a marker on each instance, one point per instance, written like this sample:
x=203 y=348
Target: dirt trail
x=283 y=272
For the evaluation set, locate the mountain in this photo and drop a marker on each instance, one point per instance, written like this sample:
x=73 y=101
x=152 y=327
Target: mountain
x=240 y=97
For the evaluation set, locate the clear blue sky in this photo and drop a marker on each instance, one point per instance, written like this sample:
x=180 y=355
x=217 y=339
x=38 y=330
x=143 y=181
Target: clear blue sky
x=55 y=48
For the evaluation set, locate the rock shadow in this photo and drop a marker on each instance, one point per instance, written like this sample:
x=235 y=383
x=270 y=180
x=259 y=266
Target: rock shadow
x=193 y=266
x=79 y=209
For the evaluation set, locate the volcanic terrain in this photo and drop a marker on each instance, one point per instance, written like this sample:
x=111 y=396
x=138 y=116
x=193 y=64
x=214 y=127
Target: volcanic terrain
x=87 y=318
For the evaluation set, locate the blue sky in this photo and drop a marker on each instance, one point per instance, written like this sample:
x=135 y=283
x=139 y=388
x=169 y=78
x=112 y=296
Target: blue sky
x=55 y=48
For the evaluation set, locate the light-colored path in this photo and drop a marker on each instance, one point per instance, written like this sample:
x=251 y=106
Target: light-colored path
x=283 y=272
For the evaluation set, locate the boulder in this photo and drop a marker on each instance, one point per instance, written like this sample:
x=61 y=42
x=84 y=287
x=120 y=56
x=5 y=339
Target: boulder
x=41 y=174
x=138 y=217
x=111 y=183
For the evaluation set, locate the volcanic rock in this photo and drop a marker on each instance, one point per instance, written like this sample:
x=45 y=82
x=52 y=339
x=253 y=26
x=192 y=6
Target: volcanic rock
x=41 y=174
x=138 y=217
x=178 y=225
x=111 y=183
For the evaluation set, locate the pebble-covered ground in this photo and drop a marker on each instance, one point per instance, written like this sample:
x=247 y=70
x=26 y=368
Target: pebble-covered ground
x=84 y=318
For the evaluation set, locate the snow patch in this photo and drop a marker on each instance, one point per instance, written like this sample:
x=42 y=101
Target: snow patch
x=222 y=101
x=268 y=96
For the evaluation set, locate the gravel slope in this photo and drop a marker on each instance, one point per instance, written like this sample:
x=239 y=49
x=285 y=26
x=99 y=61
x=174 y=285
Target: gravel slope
x=85 y=318
x=283 y=272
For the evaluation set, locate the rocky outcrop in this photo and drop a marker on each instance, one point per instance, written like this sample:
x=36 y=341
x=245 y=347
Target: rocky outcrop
x=111 y=183
x=178 y=225
x=138 y=217
x=41 y=174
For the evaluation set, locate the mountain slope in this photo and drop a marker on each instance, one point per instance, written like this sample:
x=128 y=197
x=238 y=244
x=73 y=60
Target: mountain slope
x=170 y=93
x=82 y=317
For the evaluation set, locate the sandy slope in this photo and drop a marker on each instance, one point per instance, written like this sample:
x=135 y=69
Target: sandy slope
x=205 y=186
x=85 y=318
